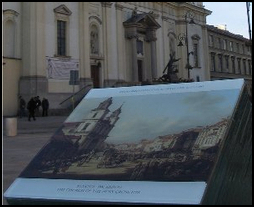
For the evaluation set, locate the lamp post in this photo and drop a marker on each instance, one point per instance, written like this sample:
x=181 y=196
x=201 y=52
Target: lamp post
x=183 y=37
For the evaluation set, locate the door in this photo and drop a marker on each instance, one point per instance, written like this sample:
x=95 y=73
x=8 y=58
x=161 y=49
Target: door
x=95 y=75
x=140 y=70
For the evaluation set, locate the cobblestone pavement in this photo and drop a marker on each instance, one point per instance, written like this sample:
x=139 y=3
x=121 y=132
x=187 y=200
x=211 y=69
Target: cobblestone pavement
x=19 y=150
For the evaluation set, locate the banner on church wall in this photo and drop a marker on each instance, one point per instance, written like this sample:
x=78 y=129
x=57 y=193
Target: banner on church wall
x=60 y=68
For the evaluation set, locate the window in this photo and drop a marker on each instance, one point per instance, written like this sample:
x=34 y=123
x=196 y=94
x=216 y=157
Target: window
x=213 y=62
x=62 y=19
x=211 y=40
x=224 y=42
x=233 y=64
x=10 y=36
x=9 y=39
x=195 y=42
x=85 y=127
x=61 y=38
x=140 y=47
x=231 y=46
x=220 y=62
x=243 y=49
x=239 y=65
x=227 y=63
x=195 y=55
x=250 y=67
x=244 y=67
x=219 y=43
x=237 y=47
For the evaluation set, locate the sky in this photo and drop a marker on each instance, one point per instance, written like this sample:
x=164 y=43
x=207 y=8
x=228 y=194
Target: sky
x=231 y=14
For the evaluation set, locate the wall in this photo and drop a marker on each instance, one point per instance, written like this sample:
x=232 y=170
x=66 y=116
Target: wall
x=11 y=73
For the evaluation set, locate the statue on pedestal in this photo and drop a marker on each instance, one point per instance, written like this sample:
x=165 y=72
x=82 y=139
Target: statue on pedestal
x=170 y=76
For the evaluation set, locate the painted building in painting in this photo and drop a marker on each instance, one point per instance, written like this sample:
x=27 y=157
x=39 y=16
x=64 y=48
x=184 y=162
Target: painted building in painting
x=58 y=49
x=94 y=128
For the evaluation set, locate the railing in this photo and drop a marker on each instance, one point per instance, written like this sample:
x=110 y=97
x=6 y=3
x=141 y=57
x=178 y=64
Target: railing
x=78 y=96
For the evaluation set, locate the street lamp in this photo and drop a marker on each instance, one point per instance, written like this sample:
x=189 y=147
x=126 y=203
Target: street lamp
x=182 y=37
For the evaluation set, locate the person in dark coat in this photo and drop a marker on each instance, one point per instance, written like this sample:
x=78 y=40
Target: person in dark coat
x=45 y=106
x=38 y=104
x=31 y=106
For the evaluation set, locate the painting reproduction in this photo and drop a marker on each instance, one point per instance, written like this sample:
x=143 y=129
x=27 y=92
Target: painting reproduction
x=149 y=137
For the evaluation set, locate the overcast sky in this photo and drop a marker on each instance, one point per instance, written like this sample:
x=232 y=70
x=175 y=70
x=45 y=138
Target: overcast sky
x=231 y=14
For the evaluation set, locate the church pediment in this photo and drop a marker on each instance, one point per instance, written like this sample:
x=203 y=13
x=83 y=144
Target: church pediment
x=62 y=9
x=145 y=20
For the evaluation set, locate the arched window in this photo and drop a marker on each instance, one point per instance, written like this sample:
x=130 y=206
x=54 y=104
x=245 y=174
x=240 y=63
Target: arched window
x=9 y=33
x=94 y=40
x=9 y=39
x=196 y=55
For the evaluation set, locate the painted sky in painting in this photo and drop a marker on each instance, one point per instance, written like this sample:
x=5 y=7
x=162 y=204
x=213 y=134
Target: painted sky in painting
x=149 y=116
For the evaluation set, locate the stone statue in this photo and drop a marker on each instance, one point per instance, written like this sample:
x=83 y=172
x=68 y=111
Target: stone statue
x=170 y=76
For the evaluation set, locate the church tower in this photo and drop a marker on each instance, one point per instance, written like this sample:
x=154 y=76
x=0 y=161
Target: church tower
x=95 y=127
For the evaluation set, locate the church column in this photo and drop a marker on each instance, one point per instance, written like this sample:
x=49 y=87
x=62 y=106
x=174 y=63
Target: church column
x=33 y=80
x=84 y=48
x=131 y=33
x=134 y=60
x=107 y=35
x=151 y=37
x=120 y=42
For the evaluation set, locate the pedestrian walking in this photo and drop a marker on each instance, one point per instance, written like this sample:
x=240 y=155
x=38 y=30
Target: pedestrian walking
x=45 y=106
x=22 y=107
x=31 y=106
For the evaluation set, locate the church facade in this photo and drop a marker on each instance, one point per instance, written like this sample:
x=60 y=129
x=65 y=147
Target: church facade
x=105 y=44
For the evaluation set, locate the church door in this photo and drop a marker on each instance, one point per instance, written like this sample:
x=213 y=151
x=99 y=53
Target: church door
x=140 y=70
x=95 y=75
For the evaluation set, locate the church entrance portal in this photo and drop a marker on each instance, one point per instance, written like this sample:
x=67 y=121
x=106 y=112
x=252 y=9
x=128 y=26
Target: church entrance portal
x=95 y=75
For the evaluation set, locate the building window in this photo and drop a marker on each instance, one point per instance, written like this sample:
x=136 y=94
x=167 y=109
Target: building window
x=243 y=49
x=86 y=126
x=62 y=19
x=249 y=67
x=244 y=67
x=224 y=42
x=237 y=47
x=219 y=43
x=61 y=38
x=195 y=48
x=140 y=47
x=213 y=62
x=9 y=39
x=231 y=46
x=239 y=65
x=220 y=63
x=195 y=42
x=233 y=64
x=227 y=63
x=211 y=43
x=10 y=36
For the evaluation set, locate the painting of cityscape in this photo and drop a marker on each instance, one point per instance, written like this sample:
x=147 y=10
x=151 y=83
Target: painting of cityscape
x=150 y=137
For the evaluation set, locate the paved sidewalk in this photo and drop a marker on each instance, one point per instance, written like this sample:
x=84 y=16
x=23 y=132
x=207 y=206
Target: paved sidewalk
x=19 y=150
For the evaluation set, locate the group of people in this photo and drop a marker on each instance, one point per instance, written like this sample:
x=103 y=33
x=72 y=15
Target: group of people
x=33 y=107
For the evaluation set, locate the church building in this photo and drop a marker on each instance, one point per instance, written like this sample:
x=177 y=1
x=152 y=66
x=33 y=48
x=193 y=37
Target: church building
x=57 y=49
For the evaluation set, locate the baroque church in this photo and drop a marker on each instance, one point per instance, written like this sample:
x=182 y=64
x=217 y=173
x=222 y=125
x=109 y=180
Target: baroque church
x=104 y=44
x=94 y=129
